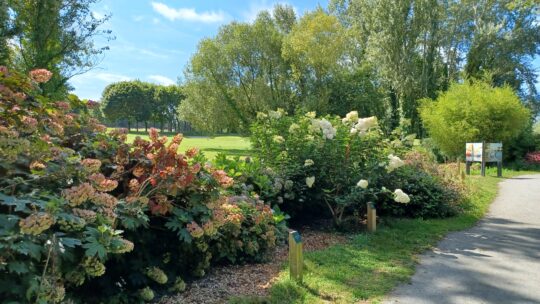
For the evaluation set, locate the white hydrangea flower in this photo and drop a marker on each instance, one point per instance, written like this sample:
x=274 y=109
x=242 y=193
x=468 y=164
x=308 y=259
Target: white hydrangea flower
x=275 y=114
x=308 y=162
x=394 y=163
x=312 y=114
x=401 y=197
x=261 y=115
x=364 y=124
x=354 y=131
x=362 y=184
x=310 y=181
x=328 y=131
x=350 y=117
x=293 y=128
x=278 y=139
x=310 y=138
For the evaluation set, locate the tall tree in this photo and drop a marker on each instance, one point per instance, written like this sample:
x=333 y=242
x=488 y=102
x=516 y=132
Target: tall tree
x=129 y=101
x=57 y=35
x=236 y=74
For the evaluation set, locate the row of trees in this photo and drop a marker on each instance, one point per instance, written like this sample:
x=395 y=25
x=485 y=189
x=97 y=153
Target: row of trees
x=57 y=35
x=378 y=57
x=137 y=101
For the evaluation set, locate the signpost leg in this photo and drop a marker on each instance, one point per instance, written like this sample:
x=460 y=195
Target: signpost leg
x=371 y=217
x=499 y=169
x=468 y=168
x=296 y=259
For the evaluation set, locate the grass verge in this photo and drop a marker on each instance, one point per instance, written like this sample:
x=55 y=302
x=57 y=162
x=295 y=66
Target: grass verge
x=371 y=265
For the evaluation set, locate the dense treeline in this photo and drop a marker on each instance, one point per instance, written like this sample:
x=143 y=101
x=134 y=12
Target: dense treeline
x=378 y=57
x=137 y=101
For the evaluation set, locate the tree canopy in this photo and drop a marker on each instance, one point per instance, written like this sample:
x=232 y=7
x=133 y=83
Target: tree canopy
x=377 y=57
x=141 y=102
x=57 y=35
x=473 y=112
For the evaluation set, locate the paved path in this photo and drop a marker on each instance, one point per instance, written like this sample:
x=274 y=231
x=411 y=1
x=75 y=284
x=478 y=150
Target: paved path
x=497 y=261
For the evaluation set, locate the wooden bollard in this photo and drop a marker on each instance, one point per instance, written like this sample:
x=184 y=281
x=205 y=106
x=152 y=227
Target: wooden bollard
x=371 y=217
x=296 y=259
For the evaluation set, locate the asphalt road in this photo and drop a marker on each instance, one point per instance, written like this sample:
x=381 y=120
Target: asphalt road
x=497 y=261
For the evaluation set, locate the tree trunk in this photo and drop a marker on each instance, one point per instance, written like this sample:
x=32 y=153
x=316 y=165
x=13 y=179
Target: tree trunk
x=146 y=126
x=161 y=125
x=129 y=125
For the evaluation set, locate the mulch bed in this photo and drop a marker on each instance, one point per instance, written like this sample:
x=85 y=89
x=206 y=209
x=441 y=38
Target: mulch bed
x=251 y=279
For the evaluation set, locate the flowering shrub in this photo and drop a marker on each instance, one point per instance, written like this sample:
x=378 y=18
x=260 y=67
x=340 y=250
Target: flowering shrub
x=533 y=157
x=327 y=163
x=81 y=209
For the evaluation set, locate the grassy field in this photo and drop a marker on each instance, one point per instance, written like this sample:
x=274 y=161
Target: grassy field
x=210 y=146
x=371 y=265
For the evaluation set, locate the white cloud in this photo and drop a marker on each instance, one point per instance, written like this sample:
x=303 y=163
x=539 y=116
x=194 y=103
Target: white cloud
x=162 y=79
x=138 y=18
x=262 y=5
x=187 y=14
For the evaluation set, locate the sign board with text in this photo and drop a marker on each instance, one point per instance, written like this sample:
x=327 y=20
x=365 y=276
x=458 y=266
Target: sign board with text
x=484 y=153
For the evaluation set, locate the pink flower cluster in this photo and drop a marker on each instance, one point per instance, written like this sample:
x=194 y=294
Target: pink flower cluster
x=40 y=75
x=91 y=165
x=101 y=183
x=195 y=230
x=533 y=157
x=222 y=178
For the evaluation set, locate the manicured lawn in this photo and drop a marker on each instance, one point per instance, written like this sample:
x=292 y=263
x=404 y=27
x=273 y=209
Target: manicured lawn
x=371 y=265
x=210 y=146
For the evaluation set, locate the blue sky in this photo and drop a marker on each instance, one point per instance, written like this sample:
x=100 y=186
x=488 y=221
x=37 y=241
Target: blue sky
x=156 y=38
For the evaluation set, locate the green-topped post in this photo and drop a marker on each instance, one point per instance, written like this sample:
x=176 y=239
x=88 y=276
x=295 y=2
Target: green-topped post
x=296 y=259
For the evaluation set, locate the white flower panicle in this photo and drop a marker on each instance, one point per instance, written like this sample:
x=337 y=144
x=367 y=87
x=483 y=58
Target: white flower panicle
x=276 y=114
x=394 y=162
x=328 y=131
x=401 y=197
x=278 y=139
x=312 y=114
x=261 y=115
x=310 y=181
x=293 y=128
x=350 y=117
x=362 y=184
x=360 y=125
x=308 y=162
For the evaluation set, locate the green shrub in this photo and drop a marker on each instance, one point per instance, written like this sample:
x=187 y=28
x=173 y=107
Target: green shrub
x=319 y=162
x=473 y=112
x=430 y=198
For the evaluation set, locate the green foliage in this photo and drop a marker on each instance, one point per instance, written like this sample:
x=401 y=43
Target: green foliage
x=430 y=198
x=319 y=161
x=473 y=112
x=58 y=36
x=82 y=210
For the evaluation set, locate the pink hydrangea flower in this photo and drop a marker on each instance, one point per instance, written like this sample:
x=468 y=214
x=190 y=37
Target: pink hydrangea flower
x=40 y=75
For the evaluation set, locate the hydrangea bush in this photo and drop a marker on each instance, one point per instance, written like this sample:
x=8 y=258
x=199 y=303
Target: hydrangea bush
x=82 y=209
x=328 y=163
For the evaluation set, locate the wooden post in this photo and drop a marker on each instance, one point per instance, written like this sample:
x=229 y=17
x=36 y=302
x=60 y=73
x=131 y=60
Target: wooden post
x=483 y=168
x=371 y=217
x=296 y=259
x=468 y=168
x=499 y=169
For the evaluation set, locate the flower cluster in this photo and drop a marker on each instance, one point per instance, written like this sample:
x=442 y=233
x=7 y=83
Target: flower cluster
x=363 y=125
x=222 y=178
x=195 y=230
x=91 y=165
x=362 y=184
x=401 y=197
x=328 y=131
x=101 y=183
x=394 y=162
x=77 y=195
x=36 y=223
x=157 y=275
x=40 y=75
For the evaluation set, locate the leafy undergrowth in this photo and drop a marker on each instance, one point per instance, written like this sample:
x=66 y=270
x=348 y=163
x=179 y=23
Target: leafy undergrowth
x=371 y=265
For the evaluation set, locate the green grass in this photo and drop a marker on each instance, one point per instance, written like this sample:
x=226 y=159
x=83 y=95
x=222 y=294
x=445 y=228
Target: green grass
x=209 y=145
x=371 y=265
